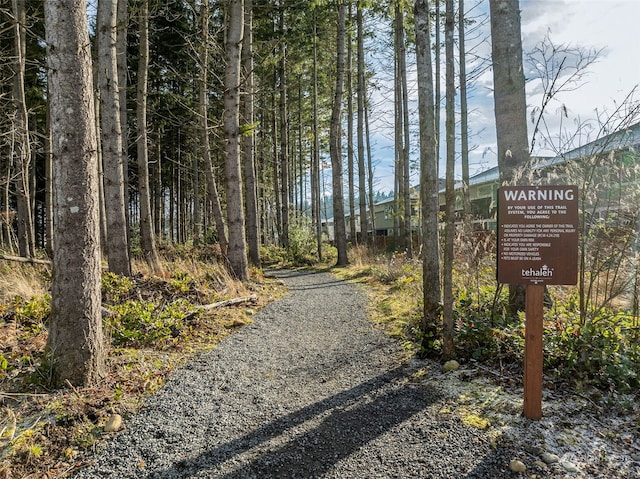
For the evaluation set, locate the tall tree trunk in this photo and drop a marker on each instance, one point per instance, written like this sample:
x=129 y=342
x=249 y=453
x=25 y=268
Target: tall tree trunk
x=117 y=246
x=509 y=91
x=464 y=117
x=350 y=152
x=75 y=342
x=158 y=197
x=284 y=136
x=437 y=82
x=335 y=137
x=48 y=188
x=197 y=210
x=261 y=163
x=22 y=148
x=102 y=207
x=32 y=204
x=7 y=213
x=179 y=196
x=429 y=184
x=237 y=253
x=450 y=194
x=277 y=190
x=122 y=23
x=212 y=187
x=510 y=105
x=362 y=178
x=301 y=153
x=406 y=186
x=147 y=236
x=398 y=217
x=315 y=161
x=251 y=191
x=369 y=169
x=121 y=60
x=172 y=202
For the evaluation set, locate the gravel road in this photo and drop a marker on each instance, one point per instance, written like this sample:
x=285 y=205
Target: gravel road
x=310 y=389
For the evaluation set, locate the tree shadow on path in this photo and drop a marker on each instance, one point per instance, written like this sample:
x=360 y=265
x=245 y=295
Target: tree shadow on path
x=313 y=283
x=308 y=442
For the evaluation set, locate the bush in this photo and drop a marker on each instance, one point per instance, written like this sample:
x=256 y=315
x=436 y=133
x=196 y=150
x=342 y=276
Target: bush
x=602 y=351
x=32 y=314
x=140 y=324
x=302 y=244
x=302 y=249
x=115 y=287
x=272 y=254
x=181 y=282
x=484 y=331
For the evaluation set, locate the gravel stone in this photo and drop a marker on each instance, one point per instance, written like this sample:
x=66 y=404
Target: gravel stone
x=310 y=389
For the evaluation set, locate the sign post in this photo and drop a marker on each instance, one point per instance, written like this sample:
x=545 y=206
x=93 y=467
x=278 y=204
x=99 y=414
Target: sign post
x=533 y=357
x=537 y=246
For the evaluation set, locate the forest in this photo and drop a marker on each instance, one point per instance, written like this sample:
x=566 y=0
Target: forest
x=156 y=155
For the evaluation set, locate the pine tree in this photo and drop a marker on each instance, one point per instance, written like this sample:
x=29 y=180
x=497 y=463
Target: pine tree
x=75 y=341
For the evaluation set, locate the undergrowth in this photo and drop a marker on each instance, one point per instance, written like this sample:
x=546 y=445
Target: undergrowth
x=153 y=323
x=599 y=351
x=302 y=250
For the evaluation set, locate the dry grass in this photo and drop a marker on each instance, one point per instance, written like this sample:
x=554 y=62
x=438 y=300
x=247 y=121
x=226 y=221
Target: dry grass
x=394 y=285
x=362 y=257
x=23 y=280
x=48 y=433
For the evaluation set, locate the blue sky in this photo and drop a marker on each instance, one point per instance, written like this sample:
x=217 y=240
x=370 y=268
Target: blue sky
x=607 y=26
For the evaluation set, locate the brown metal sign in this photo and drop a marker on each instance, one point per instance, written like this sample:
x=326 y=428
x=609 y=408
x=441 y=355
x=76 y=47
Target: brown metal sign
x=538 y=234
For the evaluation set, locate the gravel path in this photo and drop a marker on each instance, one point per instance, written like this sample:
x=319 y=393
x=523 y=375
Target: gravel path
x=310 y=389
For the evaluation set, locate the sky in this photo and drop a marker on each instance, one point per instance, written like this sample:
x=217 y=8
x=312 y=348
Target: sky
x=611 y=28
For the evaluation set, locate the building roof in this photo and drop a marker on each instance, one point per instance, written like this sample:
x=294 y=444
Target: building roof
x=492 y=174
x=625 y=138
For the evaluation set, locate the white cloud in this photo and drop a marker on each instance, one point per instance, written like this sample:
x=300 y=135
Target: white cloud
x=590 y=24
x=610 y=28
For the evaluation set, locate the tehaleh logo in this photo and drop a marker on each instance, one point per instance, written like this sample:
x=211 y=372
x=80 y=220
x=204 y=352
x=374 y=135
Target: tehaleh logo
x=543 y=272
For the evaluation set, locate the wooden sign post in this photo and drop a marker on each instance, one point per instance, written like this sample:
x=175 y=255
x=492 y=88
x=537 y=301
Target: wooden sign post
x=537 y=246
x=533 y=357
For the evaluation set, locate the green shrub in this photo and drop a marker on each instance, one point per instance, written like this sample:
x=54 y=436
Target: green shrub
x=329 y=253
x=272 y=254
x=602 y=351
x=135 y=243
x=181 y=282
x=302 y=244
x=4 y=366
x=139 y=323
x=115 y=287
x=33 y=313
x=484 y=331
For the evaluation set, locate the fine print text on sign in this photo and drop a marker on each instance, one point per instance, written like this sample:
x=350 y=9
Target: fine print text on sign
x=538 y=234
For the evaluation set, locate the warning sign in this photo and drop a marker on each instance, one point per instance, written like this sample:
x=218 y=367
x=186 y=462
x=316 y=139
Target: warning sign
x=538 y=234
